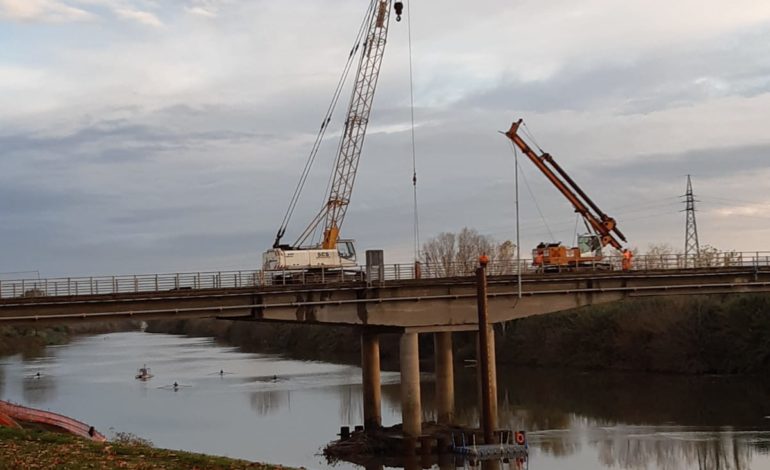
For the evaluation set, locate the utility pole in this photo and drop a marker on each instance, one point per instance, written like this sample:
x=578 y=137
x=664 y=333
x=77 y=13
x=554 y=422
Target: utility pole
x=691 y=246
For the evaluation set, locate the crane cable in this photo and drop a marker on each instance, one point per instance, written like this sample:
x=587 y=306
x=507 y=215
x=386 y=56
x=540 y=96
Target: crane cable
x=324 y=126
x=531 y=194
x=414 y=151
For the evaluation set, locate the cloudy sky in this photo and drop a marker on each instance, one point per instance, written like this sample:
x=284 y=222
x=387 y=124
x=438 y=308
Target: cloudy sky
x=167 y=135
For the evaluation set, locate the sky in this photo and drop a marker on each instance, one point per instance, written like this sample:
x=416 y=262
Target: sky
x=149 y=136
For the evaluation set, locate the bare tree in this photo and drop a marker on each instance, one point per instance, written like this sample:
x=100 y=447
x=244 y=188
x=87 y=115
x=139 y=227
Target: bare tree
x=438 y=254
x=709 y=256
x=449 y=254
x=658 y=255
x=505 y=257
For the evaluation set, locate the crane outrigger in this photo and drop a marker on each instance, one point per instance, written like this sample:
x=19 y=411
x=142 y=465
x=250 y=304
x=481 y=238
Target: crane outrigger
x=333 y=252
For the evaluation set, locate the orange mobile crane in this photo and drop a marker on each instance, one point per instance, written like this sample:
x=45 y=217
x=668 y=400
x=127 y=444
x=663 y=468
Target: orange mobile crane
x=602 y=228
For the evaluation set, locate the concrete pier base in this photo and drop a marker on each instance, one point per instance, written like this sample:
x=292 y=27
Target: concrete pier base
x=445 y=391
x=370 y=370
x=411 y=408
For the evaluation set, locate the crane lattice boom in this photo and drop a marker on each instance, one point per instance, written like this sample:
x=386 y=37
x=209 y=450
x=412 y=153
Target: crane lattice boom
x=352 y=141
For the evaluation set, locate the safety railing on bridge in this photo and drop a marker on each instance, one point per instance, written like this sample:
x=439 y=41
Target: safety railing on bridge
x=147 y=283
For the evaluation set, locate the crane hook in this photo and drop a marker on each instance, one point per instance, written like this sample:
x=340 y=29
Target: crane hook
x=399 y=7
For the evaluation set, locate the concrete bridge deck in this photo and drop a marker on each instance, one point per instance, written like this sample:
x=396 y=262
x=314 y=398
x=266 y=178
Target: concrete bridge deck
x=446 y=303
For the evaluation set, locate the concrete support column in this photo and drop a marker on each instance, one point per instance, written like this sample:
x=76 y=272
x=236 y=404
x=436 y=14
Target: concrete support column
x=370 y=369
x=445 y=389
x=411 y=408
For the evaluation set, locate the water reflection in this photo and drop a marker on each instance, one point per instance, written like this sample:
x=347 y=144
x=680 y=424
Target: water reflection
x=575 y=420
x=709 y=450
x=351 y=403
x=265 y=402
x=632 y=420
x=626 y=420
x=38 y=387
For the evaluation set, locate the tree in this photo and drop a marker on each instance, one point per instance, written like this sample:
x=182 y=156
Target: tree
x=506 y=257
x=658 y=255
x=709 y=256
x=450 y=254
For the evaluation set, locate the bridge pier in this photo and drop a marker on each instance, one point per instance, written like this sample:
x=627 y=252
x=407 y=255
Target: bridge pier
x=411 y=408
x=445 y=391
x=370 y=370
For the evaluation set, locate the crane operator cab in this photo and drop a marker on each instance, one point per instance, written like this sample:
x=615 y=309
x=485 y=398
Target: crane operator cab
x=346 y=250
x=589 y=244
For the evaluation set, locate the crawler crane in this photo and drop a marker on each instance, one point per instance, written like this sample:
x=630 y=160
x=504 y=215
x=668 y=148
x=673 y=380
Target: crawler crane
x=602 y=229
x=333 y=252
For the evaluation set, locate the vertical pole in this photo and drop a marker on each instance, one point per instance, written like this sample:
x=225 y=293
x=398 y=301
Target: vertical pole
x=518 y=234
x=445 y=393
x=488 y=421
x=492 y=376
x=370 y=369
x=411 y=408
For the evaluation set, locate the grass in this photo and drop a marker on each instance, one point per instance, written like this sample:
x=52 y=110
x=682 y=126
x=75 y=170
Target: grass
x=35 y=449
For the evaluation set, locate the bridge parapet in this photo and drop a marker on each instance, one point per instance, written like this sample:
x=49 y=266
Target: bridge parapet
x=407 y=303
x=148 y=283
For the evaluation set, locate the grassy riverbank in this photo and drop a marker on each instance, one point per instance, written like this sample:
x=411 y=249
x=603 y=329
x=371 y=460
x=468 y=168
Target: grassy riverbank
x=689 y=335
x=694 y=335
x=35 y=449
x=30 y=340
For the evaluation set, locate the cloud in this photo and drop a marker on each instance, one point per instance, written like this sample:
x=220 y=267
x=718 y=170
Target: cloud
x=201 y=11
x=143 y=17
x=52 y=11
x=178 y=147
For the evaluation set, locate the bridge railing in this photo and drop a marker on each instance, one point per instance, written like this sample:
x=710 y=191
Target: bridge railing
x=100 y=285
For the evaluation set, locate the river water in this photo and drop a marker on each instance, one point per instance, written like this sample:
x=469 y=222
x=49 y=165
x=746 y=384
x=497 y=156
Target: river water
x=271 y=409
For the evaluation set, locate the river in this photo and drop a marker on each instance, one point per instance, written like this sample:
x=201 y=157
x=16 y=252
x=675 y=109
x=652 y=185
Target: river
x=271 y=409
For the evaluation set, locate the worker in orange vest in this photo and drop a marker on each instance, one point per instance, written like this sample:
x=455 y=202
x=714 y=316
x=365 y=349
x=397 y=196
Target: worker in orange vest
x=627 y=257
x=538 y=261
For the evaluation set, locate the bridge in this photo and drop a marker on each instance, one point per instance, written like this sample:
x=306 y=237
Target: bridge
x=404 y=299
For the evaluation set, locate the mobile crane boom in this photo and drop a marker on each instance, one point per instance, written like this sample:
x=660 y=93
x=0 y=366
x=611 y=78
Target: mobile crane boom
x=604 y=225
x=352 y=142
x=299 y=255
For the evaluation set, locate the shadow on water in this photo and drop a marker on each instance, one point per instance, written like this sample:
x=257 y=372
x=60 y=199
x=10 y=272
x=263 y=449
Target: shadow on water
x=630 y=420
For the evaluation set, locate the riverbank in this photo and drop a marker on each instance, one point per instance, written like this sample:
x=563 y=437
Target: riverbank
x=31 y=340
x=36 y=449
x=684 y=335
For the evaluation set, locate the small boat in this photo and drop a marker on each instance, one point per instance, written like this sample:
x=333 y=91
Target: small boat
x=21 y=416
x=144 y=373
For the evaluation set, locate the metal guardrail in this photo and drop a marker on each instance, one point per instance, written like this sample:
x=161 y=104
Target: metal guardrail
x=136 y=283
